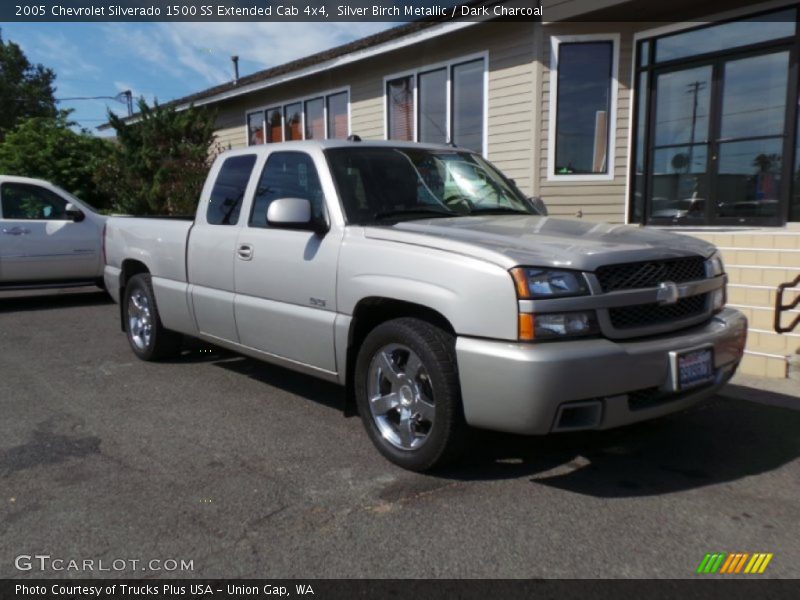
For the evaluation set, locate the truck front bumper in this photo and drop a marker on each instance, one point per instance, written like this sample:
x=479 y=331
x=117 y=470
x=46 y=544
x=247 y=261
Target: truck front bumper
x=589 y=384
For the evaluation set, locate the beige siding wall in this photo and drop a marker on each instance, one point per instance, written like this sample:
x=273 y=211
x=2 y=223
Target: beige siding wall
x=512 y=114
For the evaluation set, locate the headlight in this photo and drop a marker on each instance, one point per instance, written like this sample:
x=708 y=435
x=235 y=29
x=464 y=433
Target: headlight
x=714 y=266
x=548 y=283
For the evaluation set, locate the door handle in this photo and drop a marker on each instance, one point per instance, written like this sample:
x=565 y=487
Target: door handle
x=16 y=231
x=245 y=251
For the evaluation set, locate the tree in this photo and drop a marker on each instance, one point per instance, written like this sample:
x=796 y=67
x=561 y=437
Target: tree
x=26 y=90
x=160 y=161
x=48 y=148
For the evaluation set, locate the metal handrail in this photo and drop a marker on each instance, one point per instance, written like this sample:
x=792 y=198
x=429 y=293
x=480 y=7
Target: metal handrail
x=780 y=307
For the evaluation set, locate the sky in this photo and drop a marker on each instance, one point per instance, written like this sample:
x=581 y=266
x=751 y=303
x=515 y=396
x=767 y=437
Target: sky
x=164 y=61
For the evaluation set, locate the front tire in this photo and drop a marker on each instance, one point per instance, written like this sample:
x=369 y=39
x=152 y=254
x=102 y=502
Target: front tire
x=407 y=391
x=148 y=338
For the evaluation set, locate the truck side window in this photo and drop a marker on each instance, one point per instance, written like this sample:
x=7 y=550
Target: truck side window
x=31 y=202
x=228 y=193
x=287 y=175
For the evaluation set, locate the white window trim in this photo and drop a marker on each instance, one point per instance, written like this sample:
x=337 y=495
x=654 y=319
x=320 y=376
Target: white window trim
x=282 y=104
x=448 y=64
x=555 y=42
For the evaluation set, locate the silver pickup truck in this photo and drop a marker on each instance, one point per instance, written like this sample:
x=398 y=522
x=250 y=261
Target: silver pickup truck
x=423 y=280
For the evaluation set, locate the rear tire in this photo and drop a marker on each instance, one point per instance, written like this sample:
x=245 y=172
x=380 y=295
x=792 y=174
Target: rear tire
x=408 y=395
x=148 y=338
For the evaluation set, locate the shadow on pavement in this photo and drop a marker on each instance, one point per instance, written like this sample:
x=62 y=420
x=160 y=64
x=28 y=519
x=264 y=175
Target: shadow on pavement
x=43 y=301
x=319 y=391
x=725 y=440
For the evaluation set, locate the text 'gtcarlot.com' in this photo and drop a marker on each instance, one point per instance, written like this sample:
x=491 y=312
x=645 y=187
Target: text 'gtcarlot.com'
x=45 y=562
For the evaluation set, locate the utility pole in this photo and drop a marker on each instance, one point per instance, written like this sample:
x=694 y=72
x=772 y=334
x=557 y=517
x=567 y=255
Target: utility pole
x=694 y=89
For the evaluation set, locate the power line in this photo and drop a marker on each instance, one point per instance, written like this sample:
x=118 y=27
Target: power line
x=125 y=97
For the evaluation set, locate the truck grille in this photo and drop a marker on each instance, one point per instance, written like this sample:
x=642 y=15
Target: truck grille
x=650 y=273
x=644 y=315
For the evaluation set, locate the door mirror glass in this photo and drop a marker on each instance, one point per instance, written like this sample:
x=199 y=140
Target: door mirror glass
x=74 y=213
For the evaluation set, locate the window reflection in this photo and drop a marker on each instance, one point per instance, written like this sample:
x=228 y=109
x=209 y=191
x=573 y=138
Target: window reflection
x=315 y=119
x=749 y=179
x=255 y=128
x=583 y=105
x=757 y=29
x=468 y=105
x=754 y=101
x=337 y=115
x=292 y=122
x=432 y=117
x=683 y=106
x=274 y=125
x=680 y=183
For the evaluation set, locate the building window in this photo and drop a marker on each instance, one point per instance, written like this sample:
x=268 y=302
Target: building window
x=337 y=120
x=255 y=128
x=293 y=122
x=432 y=111
x=715 y=125
x=468 y=105
x=274 y=125
x=400 y=98
x=317 y=117
x=583 y=103
x=439 y=104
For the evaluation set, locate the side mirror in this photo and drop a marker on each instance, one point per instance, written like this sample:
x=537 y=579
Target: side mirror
x=294 y=213
x=74 y=213
x=538 y=205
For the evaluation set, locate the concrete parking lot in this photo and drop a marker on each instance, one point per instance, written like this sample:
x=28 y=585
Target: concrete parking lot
x=248 y=470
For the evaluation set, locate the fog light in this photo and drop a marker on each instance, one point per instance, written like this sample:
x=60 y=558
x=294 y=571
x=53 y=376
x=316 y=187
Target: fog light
x=565 y=324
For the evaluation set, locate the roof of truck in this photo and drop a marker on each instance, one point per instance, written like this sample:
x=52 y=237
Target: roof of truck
x=339 y=143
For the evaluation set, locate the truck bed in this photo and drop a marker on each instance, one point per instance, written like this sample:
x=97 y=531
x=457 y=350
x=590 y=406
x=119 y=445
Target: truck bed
x=158 y=242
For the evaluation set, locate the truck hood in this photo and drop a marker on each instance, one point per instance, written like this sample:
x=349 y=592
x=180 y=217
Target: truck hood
x=511 y=240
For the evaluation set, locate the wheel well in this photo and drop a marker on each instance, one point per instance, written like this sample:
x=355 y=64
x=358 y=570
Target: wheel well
x=371 y=312
x=129 y=269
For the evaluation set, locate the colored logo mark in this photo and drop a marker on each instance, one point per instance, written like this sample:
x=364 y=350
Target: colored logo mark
x=734 y=563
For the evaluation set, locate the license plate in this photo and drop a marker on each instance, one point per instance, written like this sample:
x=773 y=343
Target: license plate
x=695 y=368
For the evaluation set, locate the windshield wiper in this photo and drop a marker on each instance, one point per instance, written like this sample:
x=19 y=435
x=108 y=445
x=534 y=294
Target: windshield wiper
x=499 y=210
x=414 y=212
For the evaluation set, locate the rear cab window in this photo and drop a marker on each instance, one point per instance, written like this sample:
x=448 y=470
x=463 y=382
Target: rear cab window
x=227 y=195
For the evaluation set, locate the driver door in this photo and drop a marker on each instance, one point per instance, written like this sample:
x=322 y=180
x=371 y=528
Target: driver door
x=286 y=277
x=38 y=242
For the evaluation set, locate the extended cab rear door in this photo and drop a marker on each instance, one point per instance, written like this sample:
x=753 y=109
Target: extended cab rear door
x=286 y=277
x=212 y=243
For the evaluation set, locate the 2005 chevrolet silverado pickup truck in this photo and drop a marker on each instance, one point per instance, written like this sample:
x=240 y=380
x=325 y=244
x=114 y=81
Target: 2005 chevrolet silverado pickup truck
x=422 y=279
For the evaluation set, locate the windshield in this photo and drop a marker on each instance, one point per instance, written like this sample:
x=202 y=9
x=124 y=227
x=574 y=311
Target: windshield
x=380 y=185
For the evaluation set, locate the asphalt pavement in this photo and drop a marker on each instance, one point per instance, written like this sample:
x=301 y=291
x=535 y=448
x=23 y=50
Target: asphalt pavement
x=240 y=469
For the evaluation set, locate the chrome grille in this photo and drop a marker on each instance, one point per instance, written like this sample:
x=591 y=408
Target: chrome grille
x=650 y=273
x=645 y=315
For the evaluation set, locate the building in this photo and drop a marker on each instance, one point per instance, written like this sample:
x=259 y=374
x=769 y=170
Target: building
x=688 y=125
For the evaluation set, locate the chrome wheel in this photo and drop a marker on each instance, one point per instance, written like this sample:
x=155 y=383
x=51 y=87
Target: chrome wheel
x=400 y=397
x=140 y=320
